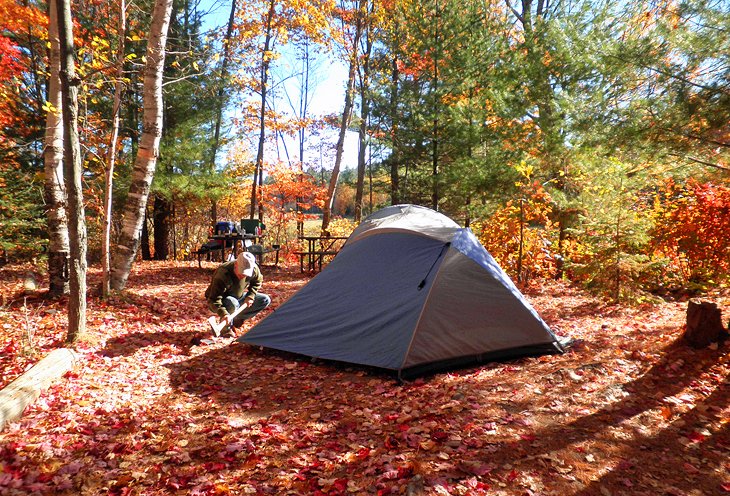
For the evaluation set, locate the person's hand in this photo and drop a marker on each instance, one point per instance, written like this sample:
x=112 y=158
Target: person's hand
x=247 y=303
x=228 y=319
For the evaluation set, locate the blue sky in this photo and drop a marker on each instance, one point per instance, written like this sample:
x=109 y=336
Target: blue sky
x=327 y=84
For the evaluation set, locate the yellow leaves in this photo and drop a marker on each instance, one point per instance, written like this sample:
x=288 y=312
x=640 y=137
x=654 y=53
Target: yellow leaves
x=50 y=108
x=97 y=42
x=270 y=55
x=524 y=169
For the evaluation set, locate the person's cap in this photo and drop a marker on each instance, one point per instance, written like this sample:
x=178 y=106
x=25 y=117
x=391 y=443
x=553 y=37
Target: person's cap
x=245 y=263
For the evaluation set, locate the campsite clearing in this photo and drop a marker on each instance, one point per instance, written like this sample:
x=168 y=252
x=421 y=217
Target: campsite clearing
x=630 y=410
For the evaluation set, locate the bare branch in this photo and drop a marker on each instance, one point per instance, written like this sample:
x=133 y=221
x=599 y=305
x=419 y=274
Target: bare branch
x=517 y=14
x=702 y=162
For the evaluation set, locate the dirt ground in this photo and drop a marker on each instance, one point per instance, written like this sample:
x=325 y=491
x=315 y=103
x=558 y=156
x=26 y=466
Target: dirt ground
x=629 y=410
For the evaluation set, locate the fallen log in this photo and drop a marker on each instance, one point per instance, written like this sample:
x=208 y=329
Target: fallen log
x=24 y=390
x=704 y=323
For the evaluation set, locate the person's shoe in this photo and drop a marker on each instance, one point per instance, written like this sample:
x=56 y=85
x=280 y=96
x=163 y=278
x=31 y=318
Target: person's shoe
x=228 y=333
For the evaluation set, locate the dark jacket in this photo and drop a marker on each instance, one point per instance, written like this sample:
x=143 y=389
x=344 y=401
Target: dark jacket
x=226 y=283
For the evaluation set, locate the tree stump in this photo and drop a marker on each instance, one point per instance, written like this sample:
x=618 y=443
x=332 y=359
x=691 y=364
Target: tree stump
x=704 y=323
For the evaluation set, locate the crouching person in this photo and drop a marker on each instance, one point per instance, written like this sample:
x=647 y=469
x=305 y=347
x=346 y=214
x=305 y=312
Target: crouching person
x=235 y=285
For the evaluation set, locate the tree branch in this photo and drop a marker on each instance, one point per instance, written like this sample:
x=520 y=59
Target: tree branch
x=700 y=161
x=517 y=14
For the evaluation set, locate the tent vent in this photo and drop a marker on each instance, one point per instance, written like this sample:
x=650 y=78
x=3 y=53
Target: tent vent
x=443 y=249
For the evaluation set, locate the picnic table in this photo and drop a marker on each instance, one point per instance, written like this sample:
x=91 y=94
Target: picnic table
x=319 y=247
x=234 y=242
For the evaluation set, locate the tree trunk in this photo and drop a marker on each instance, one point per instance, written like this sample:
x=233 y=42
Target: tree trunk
x=146 y=161
x=345 y=121
x=54 y=194
x=302 y=132
x=435 y=195
x=112 y=156
x=394 y=155
x=362 y=147
x=145 y=242
x=221 y=96
x=161 y=220
x=72 y=171
x=364 y=119
x=265 y=62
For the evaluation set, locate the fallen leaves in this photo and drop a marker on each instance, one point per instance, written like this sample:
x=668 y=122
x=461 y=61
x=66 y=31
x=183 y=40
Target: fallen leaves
x=627 y=410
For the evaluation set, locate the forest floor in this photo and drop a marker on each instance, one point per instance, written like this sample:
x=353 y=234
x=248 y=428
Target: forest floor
x=629 y=410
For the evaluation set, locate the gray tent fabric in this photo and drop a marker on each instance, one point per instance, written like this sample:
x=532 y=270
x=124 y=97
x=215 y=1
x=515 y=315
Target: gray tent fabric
x=411 y=292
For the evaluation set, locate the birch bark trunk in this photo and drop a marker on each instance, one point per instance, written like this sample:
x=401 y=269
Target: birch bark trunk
x=53 y=192
x=111 y=159
x=149 y=145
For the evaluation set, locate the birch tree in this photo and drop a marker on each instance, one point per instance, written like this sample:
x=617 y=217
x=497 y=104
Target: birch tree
x=146 y=161
x=54 y=194
x=111 y=158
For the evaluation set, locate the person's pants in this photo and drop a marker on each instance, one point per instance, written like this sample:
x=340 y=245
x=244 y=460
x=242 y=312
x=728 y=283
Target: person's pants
x=260 y=302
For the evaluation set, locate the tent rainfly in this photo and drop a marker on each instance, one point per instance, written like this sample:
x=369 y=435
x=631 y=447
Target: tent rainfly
x=411 y=292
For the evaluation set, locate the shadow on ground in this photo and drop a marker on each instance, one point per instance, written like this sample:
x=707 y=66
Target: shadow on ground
x=682 y=457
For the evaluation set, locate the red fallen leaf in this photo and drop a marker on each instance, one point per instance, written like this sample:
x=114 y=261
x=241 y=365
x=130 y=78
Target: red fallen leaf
x=439 y=435
x=391 y=442
x=512 y=475
x=528 y=437
x=363 y=453
x=726 y=487
x=404 y=472
x=696 y=437
x=475 y=484
x=45 y=477
x=251 y=460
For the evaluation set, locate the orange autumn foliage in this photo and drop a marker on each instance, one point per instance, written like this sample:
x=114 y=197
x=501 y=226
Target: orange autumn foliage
x=284 y=190
x=532 y=222
x=14 y=19
x=692 y=229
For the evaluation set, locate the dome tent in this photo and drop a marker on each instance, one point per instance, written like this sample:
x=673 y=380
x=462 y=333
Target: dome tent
x=411 y=292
